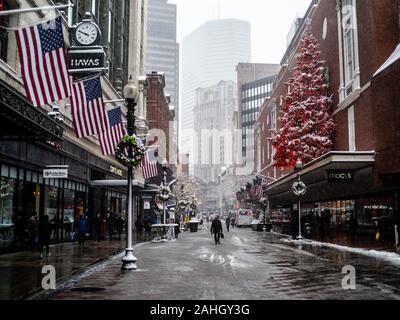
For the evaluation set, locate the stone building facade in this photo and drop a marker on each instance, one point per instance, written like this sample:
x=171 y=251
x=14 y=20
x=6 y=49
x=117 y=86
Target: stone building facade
x=32 y=139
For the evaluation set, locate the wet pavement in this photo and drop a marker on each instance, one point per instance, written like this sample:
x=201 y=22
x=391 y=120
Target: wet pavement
x=20 y=273
x=247 y=266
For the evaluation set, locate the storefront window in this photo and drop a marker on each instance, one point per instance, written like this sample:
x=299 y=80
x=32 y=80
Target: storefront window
x=80 y=205
x=7 y=209
x=51 y=208
x=69 y=201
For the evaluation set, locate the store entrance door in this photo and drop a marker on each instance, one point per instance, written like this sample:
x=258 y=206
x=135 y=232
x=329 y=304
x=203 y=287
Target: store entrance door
x=32 y=192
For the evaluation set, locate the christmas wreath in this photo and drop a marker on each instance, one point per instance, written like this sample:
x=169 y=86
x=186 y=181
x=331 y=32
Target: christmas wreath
x=164 y=193
x=138 y=149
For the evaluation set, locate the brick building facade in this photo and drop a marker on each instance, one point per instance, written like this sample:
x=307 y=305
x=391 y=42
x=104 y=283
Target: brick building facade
x=160 y=118
x=356 y=38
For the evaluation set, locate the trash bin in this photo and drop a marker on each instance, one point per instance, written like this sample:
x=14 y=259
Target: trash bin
x=193 y=225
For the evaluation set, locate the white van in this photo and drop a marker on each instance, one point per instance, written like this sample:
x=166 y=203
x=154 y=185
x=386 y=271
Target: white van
x=243 y=218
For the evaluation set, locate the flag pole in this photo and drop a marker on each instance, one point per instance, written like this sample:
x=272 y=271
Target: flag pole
x=27 y=10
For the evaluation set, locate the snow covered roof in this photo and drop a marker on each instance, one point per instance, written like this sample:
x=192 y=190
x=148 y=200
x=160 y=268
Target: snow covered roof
x=392 y=59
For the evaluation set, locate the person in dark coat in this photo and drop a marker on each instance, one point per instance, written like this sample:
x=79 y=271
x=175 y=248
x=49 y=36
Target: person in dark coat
x=228 y=223
x=216 y=229
x=44 y=235
x=120 y=226
x=139 y=228
x=82 y=229
x=353 y=224
x=97 y=228
x=177 y=229
x=147 y=228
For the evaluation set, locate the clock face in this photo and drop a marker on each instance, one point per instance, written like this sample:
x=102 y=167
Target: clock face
x=86 y=33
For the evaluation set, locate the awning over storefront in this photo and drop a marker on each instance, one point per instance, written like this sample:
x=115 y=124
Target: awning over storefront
x=22 y=121
x=116 y=183
x=325 y=178
x=160 y=206
x=392 y=59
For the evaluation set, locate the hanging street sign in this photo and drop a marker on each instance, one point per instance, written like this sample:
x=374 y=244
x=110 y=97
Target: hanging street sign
x=86 y=55
x=86 y=60
x=299 y=188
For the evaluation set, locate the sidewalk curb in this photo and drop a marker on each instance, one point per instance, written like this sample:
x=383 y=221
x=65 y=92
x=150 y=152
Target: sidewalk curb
x=42 y=294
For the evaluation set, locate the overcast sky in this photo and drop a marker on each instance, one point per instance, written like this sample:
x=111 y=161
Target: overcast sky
x=270 y=21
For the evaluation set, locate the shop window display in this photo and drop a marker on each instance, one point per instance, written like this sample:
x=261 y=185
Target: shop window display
x=69 y=202
x=51 y=209
x=7 y=210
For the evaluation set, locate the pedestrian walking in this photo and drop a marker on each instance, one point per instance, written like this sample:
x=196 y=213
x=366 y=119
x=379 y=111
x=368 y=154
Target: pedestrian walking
x=103 y=227
x=33 y=230
x=20 y=231
x=228 y=223
x=97 y=229
x=139 y=228
x=353 y=223
x=147 y=228
x=120 y=226
x=216 y=229
x=177 y=228
x=44 y=232
x=82 y=229
x=111 y=225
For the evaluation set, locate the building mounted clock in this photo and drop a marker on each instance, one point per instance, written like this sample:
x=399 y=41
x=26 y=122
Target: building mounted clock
x=86 y=55
x=86 y=34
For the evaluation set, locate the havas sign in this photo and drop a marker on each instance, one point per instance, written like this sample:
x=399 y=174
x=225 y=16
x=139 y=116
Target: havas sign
x=80 y=61
x=340 y=176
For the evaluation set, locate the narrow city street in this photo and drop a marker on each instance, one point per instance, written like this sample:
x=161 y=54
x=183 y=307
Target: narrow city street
x=247 y=265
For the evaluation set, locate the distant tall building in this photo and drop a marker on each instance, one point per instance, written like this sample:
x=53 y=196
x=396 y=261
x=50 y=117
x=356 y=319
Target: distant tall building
x=162 y=53
x=254 y=85
x=209 y=55
x=252 y=96
x=213 y=125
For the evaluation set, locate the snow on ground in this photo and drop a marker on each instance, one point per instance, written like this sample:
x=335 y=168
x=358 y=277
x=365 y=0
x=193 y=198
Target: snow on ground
x=391 y=257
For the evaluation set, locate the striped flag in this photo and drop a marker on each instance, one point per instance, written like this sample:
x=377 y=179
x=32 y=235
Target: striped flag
x=149 y=164
x=114 y=133
x=87 y=107
x=260 y=183
x=43 y=62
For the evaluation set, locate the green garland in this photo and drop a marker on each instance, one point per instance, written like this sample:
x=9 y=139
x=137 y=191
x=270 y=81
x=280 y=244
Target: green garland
x=139 y=151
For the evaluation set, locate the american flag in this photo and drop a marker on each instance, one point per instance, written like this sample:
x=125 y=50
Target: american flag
x=149 y=164
x=114 y=133
x=259 y=182
x=43 y=62
x=87 y=107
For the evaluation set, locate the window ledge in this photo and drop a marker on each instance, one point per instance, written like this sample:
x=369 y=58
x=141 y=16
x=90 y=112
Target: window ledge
x=351 y=98
x=10 y=71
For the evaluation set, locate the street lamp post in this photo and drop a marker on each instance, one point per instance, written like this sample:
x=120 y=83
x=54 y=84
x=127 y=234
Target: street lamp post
x=130 y=95
x=164 y=166
x=299 y=190
x=266 y=208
